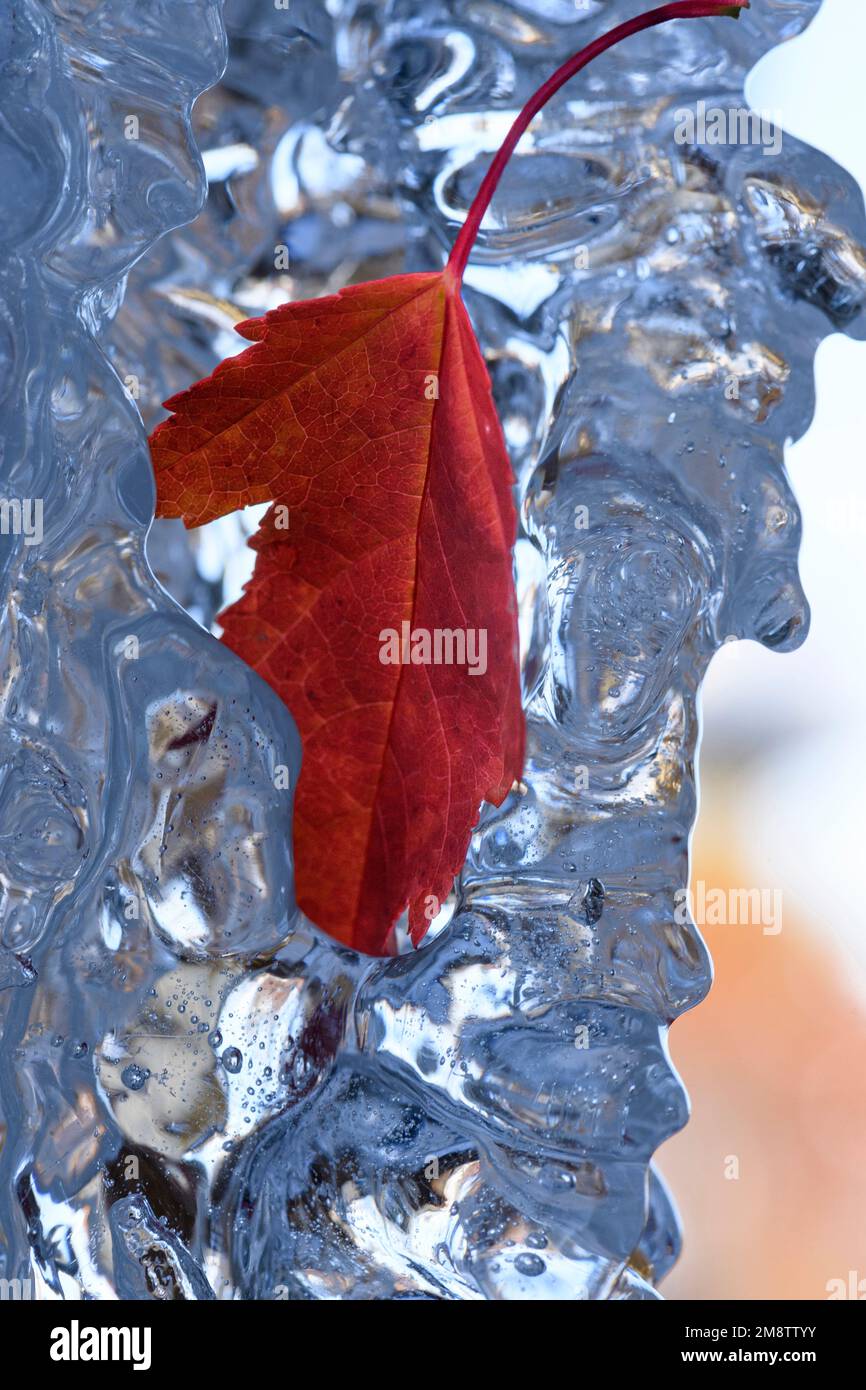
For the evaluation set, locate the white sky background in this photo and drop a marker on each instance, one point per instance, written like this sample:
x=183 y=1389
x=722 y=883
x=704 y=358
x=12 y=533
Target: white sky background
x=799 y=803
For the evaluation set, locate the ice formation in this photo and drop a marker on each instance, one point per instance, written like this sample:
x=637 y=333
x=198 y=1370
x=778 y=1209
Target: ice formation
x=200 y=1095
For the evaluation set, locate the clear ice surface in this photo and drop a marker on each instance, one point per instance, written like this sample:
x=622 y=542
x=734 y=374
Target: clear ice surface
x=201 y=1096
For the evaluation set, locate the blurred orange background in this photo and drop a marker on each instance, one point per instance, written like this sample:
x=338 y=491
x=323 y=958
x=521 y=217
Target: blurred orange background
x=773 y=1061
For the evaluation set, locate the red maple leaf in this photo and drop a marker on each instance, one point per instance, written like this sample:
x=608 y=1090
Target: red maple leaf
x=382 y=605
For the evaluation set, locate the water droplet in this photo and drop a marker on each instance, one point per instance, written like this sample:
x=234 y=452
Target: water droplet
x=134 y=1077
